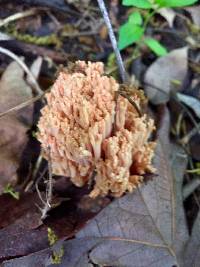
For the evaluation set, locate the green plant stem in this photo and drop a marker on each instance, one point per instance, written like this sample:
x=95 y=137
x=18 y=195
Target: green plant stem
x=126 y=62
x=148 y=18
x=145 y=24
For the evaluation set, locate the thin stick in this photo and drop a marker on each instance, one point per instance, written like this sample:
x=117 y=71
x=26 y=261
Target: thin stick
x=17 y=16
x=189 y=135
x=113 y=40
x=24 y=104
x=40 y=196
x=49 y=190
x=7 y=52
x=37 y=166
x=50 y=185
x=173 y=95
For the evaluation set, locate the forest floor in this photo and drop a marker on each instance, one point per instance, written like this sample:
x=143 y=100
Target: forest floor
x=37 y=40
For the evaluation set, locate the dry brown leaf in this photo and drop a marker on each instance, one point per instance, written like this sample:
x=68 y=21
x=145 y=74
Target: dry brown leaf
x=191 y=102
x=103 y=32
x=169 y=14
x=162 y=72
x=192 y=252
x=194 y=12
x=35 y=70
x=13 y=138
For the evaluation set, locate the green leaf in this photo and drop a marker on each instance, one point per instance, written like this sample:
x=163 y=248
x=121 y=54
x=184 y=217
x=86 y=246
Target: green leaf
x=135 y=18
x=129 y=33
x=138 y=3
x=175 y=3
x=155 y=46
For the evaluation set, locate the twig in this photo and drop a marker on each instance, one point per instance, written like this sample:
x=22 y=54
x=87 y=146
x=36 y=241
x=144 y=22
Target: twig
x=54 y=19
x=189 y=188
x=7 y=52
x=50 y=185
x=34 y=182
x=187 y=111
x=191 y=166
x=24 y=104
x=189 y=135
x=113 y=40
x=49 y=191
x=40 y=196
x=41 y=175
x=173 y=95
x=37 y=166
x=17 y=16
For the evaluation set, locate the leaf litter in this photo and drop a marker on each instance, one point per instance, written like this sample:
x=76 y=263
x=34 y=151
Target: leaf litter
x=171 y=67
x=145 y=228
x=13 y=137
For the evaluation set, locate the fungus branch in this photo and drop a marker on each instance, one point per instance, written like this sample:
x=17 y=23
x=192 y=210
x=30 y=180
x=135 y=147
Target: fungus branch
x=77 y=124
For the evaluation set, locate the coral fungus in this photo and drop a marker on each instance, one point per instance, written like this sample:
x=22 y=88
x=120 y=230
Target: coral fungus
x=86 y=129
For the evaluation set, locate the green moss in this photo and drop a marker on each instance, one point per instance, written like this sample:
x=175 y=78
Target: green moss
x=52 y=237
x=51 y=39
x=56 y=256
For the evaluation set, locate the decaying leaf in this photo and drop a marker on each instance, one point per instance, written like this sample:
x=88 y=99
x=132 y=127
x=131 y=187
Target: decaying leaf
x=163 y=72
x=191 y=102
x=35 y=70
x=194 y=12
x=169 y=14
x=22 y=232
x=13 y=210
x=192 y=252
x=41 y=258
x=178 y=160
x=163 y=194
x=17 y=240
x=141 y=223
x=21 y=223
x=13 y=91
x=140 y=229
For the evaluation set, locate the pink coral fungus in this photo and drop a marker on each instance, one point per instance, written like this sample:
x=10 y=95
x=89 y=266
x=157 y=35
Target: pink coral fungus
x=85 y=129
